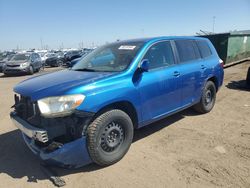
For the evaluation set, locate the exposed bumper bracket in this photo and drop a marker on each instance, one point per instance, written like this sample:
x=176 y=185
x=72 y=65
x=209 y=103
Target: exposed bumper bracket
x=32 y=132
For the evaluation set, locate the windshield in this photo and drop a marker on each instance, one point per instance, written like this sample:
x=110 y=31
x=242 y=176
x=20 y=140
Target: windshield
x=20 y=57
x=114 y=57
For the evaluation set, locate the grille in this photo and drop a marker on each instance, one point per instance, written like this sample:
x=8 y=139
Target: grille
x=25 y=108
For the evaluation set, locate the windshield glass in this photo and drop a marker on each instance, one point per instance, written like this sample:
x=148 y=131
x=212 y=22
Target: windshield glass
x=114 y=57
x=20 y=57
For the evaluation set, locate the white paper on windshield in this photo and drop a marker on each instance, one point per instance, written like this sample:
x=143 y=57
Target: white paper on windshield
x=126 y=47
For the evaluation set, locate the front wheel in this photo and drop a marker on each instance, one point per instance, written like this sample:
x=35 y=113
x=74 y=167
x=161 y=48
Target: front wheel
x=109 y=137
x=31 y=70
x=208 y=98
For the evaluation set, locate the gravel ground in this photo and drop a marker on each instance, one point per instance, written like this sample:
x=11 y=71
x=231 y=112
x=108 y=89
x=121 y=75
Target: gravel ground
x=183 y=150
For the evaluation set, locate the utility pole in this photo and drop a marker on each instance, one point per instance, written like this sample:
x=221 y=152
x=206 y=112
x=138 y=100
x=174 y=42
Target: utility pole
x=213 y=22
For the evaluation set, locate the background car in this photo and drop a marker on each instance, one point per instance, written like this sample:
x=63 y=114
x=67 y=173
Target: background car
x=73 y=54
x=60 y=57
x=23 y=63
x=52 y=60
x=74 y=61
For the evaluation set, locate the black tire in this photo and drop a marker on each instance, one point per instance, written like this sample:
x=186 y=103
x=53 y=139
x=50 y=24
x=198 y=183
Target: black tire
x=59 y=63
x=109 y=137
x=31 y=70
x=208 y=98
x=248 y=77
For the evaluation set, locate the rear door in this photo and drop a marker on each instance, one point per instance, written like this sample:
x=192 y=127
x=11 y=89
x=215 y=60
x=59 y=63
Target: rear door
x=159 y=88
x=208 y=62
x=38 y=60
x=191 y=71
x=33 y=61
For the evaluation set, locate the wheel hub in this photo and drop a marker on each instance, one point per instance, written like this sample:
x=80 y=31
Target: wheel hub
x=112 y=137
x=209 y=97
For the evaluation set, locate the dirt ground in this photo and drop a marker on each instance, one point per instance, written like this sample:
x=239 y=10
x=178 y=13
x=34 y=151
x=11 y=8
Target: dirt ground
x=184 y=150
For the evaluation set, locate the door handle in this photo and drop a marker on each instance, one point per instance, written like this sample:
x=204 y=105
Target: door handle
x=176 y=73
x=203 y=67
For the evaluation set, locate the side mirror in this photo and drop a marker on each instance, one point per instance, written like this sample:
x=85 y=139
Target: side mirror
x=144 y=65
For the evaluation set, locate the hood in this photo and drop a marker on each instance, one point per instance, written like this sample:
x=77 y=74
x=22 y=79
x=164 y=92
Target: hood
x=57 y=83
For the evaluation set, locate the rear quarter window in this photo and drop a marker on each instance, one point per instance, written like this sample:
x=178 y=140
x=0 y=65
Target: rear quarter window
x=204 y=49
x=185 y=50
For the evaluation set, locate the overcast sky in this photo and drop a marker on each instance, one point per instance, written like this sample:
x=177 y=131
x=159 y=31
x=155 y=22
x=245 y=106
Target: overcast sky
x=73 y=23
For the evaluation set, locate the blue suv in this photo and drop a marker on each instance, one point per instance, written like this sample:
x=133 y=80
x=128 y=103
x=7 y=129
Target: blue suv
x=88 y=113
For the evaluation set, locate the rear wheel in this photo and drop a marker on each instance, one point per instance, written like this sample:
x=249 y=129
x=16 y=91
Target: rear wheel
x=208 y=98
x=109 y=137
x=59 y=63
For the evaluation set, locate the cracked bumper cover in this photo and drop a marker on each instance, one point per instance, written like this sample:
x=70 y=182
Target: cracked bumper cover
x=73 y=154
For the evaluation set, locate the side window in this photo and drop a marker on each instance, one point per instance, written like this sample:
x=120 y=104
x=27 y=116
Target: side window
x=160 y=55
x=32 y=57
x=185 y=50
x=204 y=48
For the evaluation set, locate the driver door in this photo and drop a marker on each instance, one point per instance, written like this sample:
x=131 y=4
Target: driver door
x=160 y=87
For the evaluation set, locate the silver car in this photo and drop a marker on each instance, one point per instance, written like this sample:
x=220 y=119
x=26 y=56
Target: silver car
x=23 y=63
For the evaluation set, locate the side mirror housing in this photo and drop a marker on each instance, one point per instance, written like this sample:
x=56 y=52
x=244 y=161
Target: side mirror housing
x=144 y=65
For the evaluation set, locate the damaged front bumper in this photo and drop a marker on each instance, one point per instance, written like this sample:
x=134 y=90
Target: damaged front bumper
x=73 y=154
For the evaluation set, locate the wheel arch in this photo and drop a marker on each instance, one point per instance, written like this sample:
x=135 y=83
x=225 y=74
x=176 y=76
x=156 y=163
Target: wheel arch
x=125 y=106
x=215 y=81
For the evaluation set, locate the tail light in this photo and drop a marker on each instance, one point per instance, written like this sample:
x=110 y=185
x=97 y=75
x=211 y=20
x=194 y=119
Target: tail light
x=221 y=63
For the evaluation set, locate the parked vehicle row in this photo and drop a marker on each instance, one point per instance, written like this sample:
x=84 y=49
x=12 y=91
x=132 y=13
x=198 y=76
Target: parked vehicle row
x=60 y=58
x=30 y=61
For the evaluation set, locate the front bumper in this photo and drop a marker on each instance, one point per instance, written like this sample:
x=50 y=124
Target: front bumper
x=32 y=132
x=73 y=154
x=14 y=70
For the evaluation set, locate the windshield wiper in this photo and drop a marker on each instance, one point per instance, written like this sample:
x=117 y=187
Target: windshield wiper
x=84 y=69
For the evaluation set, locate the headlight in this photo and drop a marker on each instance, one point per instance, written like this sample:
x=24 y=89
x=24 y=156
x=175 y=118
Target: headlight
x=24 y=65
x=59 y=106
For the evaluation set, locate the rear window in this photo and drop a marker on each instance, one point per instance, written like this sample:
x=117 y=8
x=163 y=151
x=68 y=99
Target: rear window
x=204 y=48
x=186 y=50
